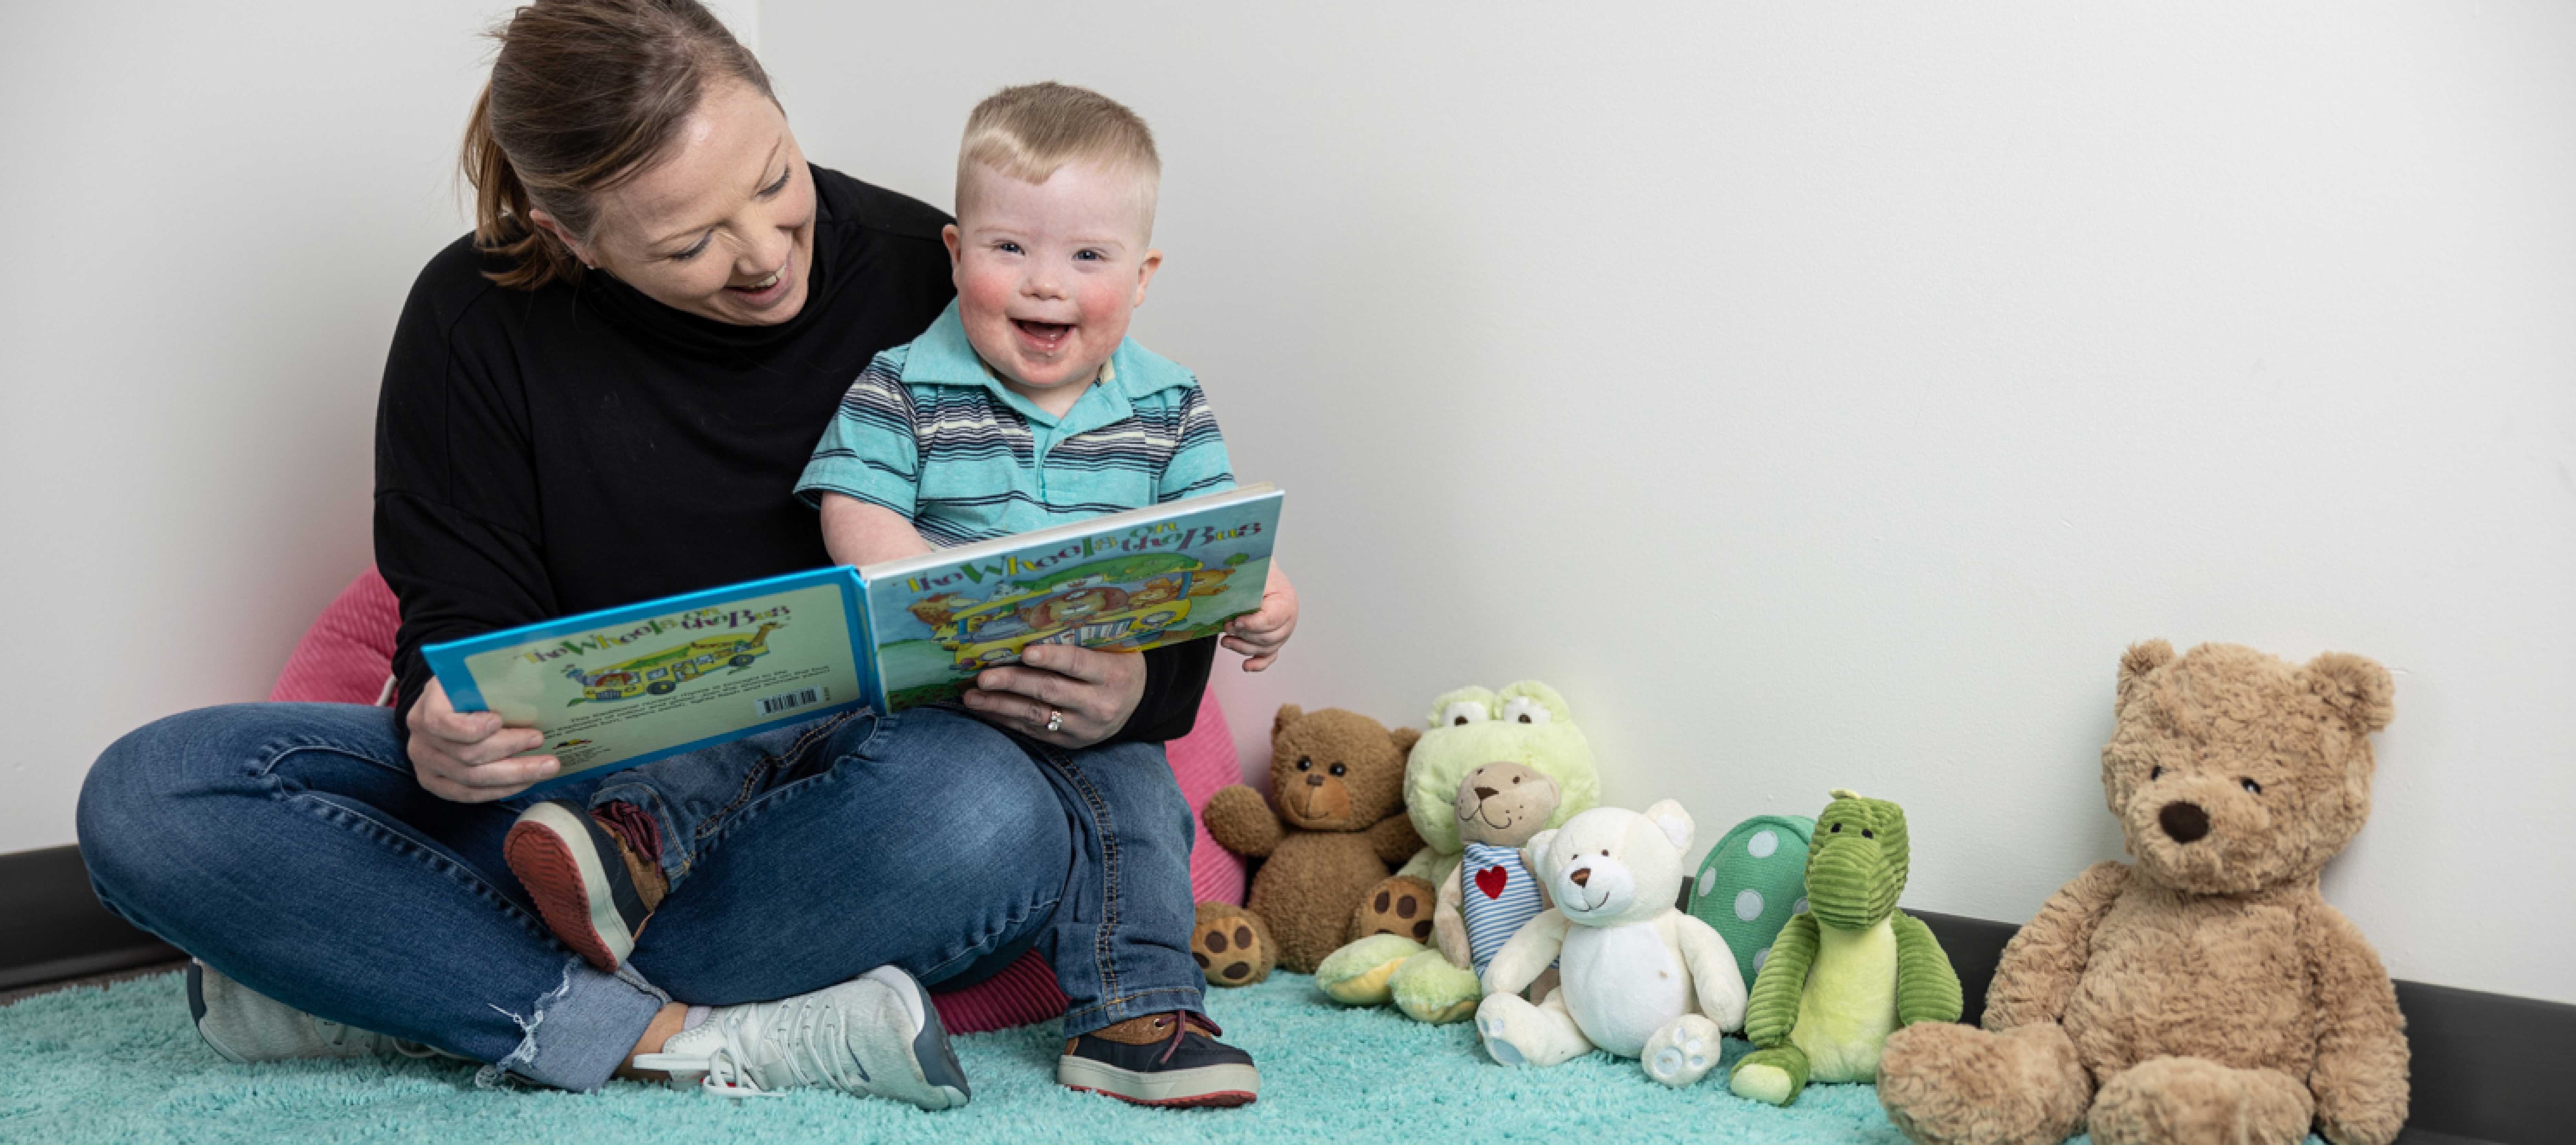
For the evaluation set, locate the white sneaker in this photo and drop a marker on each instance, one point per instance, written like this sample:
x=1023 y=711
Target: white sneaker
x=247 y=1026
x=875 y=1034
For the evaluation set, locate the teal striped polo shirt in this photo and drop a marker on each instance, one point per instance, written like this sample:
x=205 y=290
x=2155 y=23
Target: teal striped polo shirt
x=928 y=432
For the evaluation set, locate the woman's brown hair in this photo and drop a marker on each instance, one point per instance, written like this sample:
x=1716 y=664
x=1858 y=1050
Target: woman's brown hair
x=583 y=94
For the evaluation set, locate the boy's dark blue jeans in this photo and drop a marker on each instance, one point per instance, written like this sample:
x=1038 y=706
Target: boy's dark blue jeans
x=288 y=846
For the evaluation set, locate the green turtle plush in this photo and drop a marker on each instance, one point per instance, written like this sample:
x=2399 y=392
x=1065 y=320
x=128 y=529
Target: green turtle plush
x=1750 y=884
x=1850 y=969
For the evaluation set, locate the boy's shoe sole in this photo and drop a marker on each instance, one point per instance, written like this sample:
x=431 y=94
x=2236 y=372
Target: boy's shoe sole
x=1215 y=1086
x=569 y=865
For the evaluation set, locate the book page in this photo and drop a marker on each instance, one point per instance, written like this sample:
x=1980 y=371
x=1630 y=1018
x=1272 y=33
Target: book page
x=656 y=684
x=1137 y=580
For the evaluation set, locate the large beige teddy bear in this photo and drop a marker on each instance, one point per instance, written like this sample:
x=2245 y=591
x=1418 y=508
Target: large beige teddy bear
x=2207 y=994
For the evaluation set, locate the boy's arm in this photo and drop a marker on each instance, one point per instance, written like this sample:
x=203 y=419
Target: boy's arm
x=858 y=533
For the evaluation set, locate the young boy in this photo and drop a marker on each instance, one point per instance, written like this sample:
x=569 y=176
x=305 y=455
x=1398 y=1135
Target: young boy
x=1024 y=405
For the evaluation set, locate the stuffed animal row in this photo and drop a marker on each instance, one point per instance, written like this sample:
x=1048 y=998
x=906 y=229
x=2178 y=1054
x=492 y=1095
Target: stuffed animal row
x=2205 y=993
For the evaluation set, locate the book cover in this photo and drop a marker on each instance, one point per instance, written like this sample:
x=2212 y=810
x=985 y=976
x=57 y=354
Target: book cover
x=1121 y=583
x=629 y=685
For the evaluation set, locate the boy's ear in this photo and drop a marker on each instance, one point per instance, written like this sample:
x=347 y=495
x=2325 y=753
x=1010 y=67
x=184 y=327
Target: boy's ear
x=955 y=241
x=1145 y=274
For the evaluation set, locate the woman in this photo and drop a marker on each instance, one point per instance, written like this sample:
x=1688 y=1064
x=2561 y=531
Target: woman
x=605 y=395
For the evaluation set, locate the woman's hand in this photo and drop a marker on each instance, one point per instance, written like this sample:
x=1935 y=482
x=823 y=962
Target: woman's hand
x=1259 y=635
x=468 y=756
x=1096 y=692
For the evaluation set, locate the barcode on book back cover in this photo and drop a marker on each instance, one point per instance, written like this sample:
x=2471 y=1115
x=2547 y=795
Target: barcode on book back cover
x=789 y=701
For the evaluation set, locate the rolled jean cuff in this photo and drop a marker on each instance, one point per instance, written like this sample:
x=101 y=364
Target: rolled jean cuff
x=577 y=1035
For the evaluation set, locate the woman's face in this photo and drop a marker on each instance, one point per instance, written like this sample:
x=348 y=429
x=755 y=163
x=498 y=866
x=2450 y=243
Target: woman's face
x=722 y=226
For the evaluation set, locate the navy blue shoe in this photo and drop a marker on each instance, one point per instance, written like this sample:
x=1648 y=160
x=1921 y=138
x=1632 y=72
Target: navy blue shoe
x=1171 y=1060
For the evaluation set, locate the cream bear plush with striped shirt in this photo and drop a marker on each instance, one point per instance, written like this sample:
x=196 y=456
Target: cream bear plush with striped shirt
x=1640 y=978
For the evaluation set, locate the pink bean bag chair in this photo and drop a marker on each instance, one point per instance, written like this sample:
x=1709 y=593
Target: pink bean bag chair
x=347 y=658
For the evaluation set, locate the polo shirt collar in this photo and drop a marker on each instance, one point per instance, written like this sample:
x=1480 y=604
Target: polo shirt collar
x=943 y=357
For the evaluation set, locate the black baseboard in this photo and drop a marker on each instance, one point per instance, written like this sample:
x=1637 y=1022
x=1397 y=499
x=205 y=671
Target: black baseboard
x=52 y=928
x=2487 y=1067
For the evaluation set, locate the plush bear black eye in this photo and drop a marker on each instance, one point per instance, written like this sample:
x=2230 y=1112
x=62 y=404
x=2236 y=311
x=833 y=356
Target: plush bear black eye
x=1459 y=722
x=1516 y=779
x=1838 y=829
x=1525 y=717
x=1338 y=769
x=1866 y=833
x=1305 y=764
x=2252 y=786
x=2155 y=773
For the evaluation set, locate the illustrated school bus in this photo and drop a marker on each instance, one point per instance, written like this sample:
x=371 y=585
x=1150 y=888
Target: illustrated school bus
x=662 y=673
x=1112 y=604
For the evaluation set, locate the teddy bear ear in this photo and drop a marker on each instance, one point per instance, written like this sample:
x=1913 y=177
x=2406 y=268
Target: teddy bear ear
x=1675 y=823
x=1405 y=738
x=2141 y=658
x=1288 y=714
x=1534 y=852
x=2356 y=687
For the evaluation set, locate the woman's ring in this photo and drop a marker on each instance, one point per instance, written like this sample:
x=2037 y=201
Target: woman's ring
x=1055 y=720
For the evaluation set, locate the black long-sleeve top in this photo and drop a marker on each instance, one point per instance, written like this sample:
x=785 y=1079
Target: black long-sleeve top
x=580 y=446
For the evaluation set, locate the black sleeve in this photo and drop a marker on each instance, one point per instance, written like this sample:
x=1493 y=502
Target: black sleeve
x=1175 y=675
x=456 y=497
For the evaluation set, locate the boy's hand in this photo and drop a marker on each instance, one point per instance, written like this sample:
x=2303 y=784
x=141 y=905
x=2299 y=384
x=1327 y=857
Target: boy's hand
x=1260 y=635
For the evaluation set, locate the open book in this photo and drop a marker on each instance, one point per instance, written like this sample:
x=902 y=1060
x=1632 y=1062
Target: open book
x=629 y=685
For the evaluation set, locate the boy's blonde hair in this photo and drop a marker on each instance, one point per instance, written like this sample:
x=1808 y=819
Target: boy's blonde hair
x=1030 y=131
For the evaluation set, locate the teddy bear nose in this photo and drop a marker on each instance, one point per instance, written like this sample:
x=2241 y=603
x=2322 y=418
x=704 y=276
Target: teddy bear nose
x=1314 y=780
x=2184 y=821
x=1486 y=793
x=1581 y=875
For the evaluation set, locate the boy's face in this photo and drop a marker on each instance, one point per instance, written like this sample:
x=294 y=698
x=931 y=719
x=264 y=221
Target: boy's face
x=1048 y=273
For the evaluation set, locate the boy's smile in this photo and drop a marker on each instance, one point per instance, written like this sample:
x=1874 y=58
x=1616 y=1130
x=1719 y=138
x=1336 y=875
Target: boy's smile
x=1049 y=273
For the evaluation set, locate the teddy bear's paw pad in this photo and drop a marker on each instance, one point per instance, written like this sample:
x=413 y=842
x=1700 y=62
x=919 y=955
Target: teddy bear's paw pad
x=1229 y=950
x=1399 y=906
x=1682 y=1052
x=1498 y=1045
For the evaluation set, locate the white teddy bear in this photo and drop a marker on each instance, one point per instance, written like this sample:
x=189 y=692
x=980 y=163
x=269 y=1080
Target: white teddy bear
x=1640 y=978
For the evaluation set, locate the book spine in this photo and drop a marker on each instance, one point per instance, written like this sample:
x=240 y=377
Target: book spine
x=871 y=670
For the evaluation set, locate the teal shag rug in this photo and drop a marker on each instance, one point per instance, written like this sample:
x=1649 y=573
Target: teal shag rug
x=122 y=1064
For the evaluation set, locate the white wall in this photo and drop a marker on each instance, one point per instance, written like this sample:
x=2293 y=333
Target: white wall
x=1823 y=397
x=1938 y=354
x=213 y=215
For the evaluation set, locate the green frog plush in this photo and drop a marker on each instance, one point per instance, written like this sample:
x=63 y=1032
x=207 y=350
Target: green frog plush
x=1525 y=731
x=1851 y=969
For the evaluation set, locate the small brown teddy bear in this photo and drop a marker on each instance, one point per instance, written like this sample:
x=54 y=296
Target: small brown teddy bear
x=2208 y=993
x=1339 y=780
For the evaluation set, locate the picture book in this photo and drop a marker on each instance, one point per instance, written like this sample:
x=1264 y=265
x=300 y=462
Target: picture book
x=630 y=685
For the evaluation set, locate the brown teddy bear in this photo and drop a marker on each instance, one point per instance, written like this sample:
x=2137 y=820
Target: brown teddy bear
x=1339 y=780
x=2207 y=993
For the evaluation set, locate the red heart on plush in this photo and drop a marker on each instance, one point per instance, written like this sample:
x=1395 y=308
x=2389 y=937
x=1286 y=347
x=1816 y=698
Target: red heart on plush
x=1492 y=880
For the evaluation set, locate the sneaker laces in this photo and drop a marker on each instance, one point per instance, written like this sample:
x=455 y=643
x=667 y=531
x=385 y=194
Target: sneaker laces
x=1181 y=1023
x=795 y=1028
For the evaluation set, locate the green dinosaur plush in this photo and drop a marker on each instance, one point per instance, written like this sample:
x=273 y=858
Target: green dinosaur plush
x=1848 y=971
x=1526 y=723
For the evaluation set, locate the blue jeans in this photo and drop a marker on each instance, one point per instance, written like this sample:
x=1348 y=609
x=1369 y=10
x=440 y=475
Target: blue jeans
x=288 y=846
